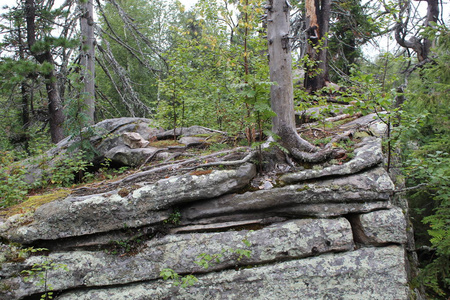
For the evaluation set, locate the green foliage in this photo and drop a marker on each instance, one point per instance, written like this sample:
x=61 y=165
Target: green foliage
x=174 y=218
x=153 y=19
x=183 y=281
x=67 y=168
x=13 y=187
x=63 y=172
x=206 y=261
x=214 y=79
x=38 y=274
x=16 y=253
x=425 y=141
x=77 y=122
x=351 y=27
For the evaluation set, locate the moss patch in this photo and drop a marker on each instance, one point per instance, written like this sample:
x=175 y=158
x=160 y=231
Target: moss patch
x=213 y=138
x=34 y=202
x=165 y=144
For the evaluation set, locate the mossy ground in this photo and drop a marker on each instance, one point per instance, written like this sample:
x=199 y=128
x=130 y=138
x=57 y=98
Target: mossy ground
x=34 y=202
x=165 y=143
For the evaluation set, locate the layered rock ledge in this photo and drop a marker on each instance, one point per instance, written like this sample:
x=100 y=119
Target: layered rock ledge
x=324 y=233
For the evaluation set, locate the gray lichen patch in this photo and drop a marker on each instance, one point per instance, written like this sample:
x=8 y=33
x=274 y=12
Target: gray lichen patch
x=368 y=273
x=282 y=241
x=371 y=186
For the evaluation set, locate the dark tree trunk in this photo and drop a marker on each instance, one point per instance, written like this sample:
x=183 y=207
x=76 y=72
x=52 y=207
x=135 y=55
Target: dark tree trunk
x=317 y=24
x=25 y=91
x=420 y=46
x=56 y=116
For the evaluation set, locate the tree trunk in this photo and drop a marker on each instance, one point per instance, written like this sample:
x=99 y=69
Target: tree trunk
x=44 y=56
x=87 y=59
x=317 y=24
x=24 y=89
x=280 y=64
x=281 y=92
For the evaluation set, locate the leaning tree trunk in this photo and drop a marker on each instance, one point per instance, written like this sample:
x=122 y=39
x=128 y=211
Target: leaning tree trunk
x=420 y=46
x=87 y=58
x=55 y=108
x=281 y=92
x=317 y=24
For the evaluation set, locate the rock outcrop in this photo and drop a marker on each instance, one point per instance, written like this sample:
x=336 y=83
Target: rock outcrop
x=323 y=233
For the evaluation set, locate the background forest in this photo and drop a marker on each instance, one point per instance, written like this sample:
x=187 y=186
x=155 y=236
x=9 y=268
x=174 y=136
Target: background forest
x=67 y=65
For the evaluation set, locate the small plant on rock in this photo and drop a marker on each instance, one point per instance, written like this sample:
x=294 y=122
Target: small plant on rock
x=39 y=275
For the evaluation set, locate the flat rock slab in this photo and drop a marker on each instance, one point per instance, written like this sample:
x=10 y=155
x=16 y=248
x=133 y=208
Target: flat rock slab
x=192 y=141
x=83 y=215
x=281 y=241
x=367 y=273
x=371 y=186
x=367 y=155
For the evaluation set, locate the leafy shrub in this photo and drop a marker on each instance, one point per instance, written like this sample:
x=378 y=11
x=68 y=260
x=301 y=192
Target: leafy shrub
x=13 y=187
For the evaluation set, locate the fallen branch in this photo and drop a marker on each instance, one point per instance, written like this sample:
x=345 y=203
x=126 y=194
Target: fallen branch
x=224 y=163
x=411 y=188
x=142 y=175
x=151 y=157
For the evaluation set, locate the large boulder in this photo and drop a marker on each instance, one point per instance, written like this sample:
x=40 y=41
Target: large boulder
x=108 y=134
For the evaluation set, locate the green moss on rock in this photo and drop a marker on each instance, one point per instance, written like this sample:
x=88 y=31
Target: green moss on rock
x=34 y=202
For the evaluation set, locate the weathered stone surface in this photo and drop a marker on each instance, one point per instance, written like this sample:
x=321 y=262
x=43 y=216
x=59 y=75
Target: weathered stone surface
x=366 y=121
x=322 y=210
x=192 y=141
x=331 y=209
x=288 y=240
x=130 y=157
x=371 y=186
x=75 y=215
x=303 y=258
x=134 y=140
x=367 y=154
x=381 y=227
x=108 y=135
x=368 y=273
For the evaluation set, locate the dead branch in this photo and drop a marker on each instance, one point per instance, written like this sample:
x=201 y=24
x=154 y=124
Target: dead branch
x=421 y=185
x=151 y=156
x=224 y=163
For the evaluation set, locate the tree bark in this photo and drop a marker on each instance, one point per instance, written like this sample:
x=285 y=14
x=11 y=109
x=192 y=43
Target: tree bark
x=87 y=59
x=55 y=109
x=317 y=24
x=280 y=64
x=420 y=46
x=281 y=92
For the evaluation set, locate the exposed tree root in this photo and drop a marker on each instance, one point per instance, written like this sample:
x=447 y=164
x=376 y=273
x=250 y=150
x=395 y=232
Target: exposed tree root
x=304 y=151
